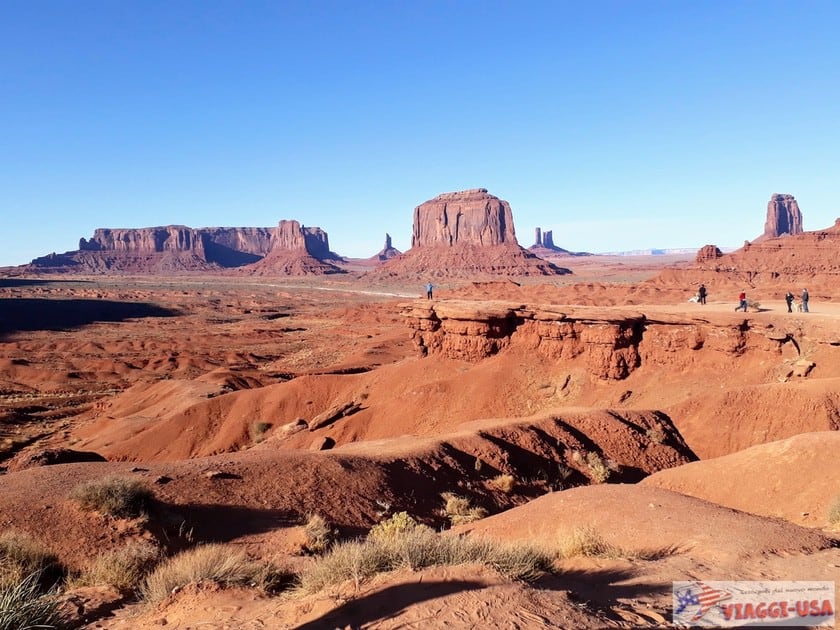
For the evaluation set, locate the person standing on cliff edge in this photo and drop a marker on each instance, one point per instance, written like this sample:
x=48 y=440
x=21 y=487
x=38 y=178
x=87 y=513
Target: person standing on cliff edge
x=701 y=294
x=429 y=288
x=805 y=300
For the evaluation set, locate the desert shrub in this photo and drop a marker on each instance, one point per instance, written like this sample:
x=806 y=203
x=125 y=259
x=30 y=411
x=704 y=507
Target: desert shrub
x=459 y=510
x=22 y=605
x=586 y=541
x=599 y=470
x=214 y=563
x=319 y=534
x=124 y=568
x=417 y=548
x=116 y=496
x=397 y=525
x=504 y=482
x=656 y=434
x=834 y=513
x=21 y=556
x=258 y=430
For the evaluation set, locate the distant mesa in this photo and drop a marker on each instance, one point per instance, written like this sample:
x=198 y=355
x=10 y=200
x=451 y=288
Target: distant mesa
x=296 y=250
x=463 y=234
x=708 y=253
x=290 y=248
x=387 y=252
x=544 y=245
x=783 y=258
x=783 y=217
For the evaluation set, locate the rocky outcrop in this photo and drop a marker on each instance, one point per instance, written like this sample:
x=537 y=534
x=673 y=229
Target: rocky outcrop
x=172 y=248
x=544 y=246
x=471 y=217
x=608 y=344
x=291 y=236
x=296 y=251
x=472 y=331
x=388 y=251
x=464 y=234
x=292 y=249
x=783 y=217
x=707 y=253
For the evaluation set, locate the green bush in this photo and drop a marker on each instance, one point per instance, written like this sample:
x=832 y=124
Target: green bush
x=116 y=496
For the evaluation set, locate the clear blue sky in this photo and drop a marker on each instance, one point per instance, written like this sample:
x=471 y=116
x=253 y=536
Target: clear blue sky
x=619 y=125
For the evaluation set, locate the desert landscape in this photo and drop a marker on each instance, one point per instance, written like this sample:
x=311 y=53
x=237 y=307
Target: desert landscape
x=239 y=428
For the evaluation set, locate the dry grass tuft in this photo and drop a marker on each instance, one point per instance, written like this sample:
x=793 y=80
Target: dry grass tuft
x=22 y=605
x=599 y=470
x=214 y=563
x=124 y=568
x=417 y=548
x=834 y=513
x=116 y=496
x=504 y=482
x=257 y=431
x=21 y=556
x=319 y=534
x=459 y=510
x=587 y=542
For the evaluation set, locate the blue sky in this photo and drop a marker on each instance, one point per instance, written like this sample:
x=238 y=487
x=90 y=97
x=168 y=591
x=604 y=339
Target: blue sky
x=618 y=125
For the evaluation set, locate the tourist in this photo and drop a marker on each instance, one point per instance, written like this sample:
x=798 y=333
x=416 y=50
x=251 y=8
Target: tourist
x=701 y=294
x=742 y=302
x=804 y=300
x=429 y=288
x=789 y=301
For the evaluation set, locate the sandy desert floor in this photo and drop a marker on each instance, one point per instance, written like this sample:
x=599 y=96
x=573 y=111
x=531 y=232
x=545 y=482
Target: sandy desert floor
x=216 y=393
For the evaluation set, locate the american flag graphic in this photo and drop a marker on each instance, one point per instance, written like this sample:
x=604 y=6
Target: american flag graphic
x=703 y=596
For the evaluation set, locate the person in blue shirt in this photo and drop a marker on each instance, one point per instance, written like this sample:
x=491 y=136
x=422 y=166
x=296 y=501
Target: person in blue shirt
x=429 y=288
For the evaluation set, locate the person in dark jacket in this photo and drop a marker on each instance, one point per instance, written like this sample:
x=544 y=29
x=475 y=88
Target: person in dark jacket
x=789 y=301
x=701 y=294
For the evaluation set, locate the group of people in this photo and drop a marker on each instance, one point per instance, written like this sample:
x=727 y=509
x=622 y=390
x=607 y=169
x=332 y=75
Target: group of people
x=803 y=304
x=790 y=300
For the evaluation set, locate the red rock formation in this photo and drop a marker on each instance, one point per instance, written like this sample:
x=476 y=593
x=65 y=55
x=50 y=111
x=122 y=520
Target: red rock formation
x=471 y=217
x=388 y=251
x=295 y=251
x=707 y=253
x=783 y=217
x=464 y=234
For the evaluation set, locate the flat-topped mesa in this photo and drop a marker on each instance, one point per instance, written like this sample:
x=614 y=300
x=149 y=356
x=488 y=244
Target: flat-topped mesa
x=708 y=253
x=170 y=238
x=296 y=251
x=289 y=235
x=469 y=217
x=783 y=217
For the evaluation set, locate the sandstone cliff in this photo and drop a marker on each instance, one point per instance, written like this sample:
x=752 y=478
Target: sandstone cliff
x=296 y=250
x=464 y=234
x=472 y=217
x=388 y=251
x=783 y=217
